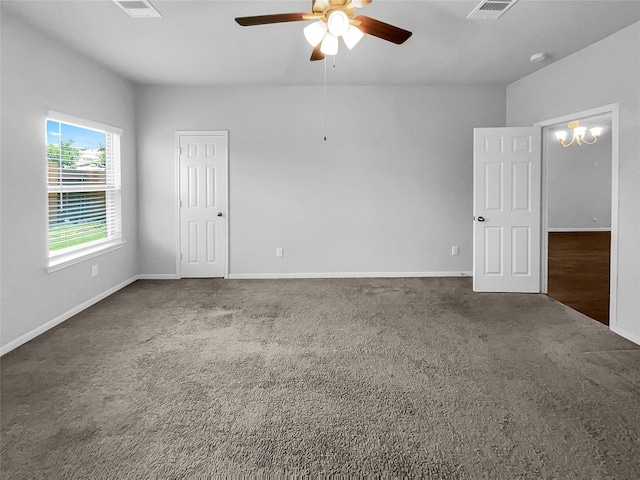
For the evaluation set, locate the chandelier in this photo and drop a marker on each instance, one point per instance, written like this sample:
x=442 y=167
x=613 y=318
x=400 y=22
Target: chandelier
x=578 y=135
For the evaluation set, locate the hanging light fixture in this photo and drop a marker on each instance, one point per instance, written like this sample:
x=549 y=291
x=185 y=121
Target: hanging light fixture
x=329 y=44
x=338 y=22
x=352 y=36
x=578 y=135
x=315 y=32
x=337 y=25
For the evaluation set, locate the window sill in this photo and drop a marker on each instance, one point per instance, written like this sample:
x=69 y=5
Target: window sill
x=73 y=258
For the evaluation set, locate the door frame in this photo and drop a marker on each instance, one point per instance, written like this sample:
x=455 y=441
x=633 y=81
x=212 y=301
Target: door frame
x=180 y=133
x=613 y=109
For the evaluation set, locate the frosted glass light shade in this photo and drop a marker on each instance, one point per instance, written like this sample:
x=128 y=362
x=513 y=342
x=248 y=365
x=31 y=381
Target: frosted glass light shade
x=338 y=22
x=561 y=135
x=314 y=33
x=579 y=132
x=352 y=36
x=329 y=44
x=596 y=131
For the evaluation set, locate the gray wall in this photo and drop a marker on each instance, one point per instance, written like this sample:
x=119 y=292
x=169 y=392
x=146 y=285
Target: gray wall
x=579 y=180
x=38 y=75
x=604 y=73
x=390 y=191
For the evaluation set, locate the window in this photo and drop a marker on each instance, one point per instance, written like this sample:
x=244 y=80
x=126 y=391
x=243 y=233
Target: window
x=83 y=165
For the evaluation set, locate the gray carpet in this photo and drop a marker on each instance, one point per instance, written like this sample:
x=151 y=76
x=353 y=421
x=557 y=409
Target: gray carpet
x=394 y=377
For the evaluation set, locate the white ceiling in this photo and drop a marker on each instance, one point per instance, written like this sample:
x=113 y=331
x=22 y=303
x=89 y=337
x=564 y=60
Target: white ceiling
x=198 y=42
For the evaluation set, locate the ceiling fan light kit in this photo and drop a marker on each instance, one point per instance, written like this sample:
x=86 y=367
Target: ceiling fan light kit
x=315 y=32
x=334 y=19
x=352 y=36
x=329 y=44
x=338 y=22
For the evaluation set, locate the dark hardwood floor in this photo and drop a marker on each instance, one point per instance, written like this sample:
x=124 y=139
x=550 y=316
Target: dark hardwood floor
x=579 y=271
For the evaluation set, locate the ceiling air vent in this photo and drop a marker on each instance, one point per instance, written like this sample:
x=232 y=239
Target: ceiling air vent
x=138 y=8
x=491 y=9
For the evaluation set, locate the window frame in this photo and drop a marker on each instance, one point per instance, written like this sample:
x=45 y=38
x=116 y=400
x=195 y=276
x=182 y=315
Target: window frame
x=113 y=194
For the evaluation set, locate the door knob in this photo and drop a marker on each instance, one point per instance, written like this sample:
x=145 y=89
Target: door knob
x=481 y=219
x=219 y=214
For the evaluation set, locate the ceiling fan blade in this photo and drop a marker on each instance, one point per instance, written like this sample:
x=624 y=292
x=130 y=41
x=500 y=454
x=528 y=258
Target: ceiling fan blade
x=275 y=18
x=317 y=54
x=382 y=30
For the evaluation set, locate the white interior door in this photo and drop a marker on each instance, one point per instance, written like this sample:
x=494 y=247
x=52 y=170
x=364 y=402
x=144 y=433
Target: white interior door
x=203 y=205
x=506 y=197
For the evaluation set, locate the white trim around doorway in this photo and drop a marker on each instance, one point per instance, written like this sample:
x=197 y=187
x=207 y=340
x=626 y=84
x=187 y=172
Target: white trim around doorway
x=613 y=109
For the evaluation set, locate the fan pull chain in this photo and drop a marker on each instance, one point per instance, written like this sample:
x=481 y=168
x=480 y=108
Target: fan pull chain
x=325 y=98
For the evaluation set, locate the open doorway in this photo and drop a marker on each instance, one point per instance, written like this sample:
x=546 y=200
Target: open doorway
x=579 y=221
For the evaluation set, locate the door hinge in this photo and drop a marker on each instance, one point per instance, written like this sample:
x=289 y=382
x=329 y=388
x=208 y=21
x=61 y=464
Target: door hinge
x=180 y=255
x=180 y=202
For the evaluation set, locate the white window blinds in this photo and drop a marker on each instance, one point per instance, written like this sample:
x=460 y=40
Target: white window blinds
x=83 y=165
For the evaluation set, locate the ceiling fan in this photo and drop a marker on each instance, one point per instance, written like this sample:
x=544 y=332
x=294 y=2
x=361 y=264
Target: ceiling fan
x=334 y=19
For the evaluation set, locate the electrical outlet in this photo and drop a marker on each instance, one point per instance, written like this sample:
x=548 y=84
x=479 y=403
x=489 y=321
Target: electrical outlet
x=454 y=250
x=279 y=252
x=94 y=271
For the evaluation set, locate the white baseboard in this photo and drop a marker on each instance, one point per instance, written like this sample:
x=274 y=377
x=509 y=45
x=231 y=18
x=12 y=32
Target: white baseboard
x=158 y=276
x=629 y=336
x=254 y=276
x=61 y=318
x=568 y=229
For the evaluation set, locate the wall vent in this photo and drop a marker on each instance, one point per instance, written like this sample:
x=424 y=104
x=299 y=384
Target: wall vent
x=491 y=9
x=138 y=8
